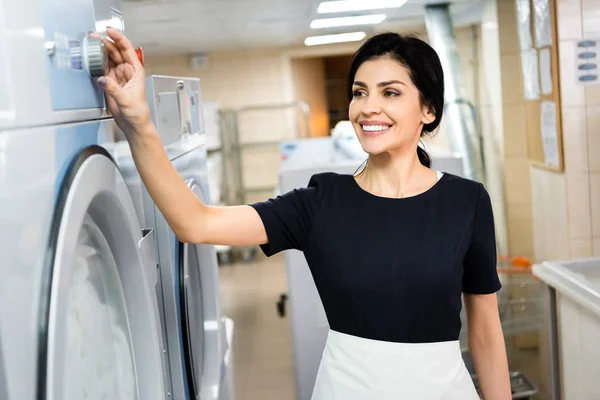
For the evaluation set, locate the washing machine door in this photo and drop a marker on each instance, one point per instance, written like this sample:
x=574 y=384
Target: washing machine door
x=3 y=387
x=200 y=314
x=98 y=328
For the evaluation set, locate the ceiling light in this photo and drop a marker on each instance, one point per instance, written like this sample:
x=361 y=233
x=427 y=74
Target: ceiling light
x=337 y=38
x=357 y=5
x=348 y=21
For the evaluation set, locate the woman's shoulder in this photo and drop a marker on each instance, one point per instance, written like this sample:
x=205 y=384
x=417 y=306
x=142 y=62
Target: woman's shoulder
x=328 y=180
x=463 y=188
x=459 y=181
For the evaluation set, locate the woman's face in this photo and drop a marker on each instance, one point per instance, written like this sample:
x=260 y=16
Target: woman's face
x=386 y=109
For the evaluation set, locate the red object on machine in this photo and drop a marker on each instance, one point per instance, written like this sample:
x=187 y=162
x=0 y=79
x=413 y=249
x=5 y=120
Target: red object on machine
x=140 y=55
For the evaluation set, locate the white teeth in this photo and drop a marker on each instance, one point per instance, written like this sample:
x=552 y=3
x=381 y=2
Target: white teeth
x=375 y=128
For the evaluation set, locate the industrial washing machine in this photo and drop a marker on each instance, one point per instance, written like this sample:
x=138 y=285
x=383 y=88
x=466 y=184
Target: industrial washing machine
x=79 y=317
x=198 y=334
x=302 y=158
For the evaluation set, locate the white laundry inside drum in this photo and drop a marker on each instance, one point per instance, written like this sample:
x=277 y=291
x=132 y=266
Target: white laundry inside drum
x=99 y=361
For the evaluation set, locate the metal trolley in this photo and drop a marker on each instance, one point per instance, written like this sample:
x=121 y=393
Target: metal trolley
x=243 y=153
x=521 y=309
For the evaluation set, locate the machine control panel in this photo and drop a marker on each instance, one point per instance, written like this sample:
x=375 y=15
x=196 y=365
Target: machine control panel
x=87 y=55
x=74 y=58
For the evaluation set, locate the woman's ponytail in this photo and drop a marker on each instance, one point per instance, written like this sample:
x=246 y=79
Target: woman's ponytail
x=424 y=158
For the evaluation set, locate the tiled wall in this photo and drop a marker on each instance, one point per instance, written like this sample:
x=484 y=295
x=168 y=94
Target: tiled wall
x=235 y=79
x=553 y=215
x=581 y=129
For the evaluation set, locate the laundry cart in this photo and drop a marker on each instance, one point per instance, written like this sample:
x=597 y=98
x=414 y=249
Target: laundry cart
x=574 y=303
x=217 y=173
x=521 y=309
x=251 y=140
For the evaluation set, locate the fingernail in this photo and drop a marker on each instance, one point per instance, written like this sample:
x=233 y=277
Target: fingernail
x=101 y=82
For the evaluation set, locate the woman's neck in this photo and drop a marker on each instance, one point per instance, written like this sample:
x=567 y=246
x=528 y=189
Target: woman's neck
x=398 y=177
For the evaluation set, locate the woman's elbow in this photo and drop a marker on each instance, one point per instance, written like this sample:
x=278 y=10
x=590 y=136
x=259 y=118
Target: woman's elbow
x=190 y=235
x=191 y=230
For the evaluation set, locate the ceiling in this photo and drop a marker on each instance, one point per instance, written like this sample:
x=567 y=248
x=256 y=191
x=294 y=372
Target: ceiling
x=194 y=26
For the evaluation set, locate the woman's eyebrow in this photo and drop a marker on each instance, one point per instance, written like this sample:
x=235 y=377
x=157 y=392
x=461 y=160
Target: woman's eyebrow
x=380 y=84
x=387 y=83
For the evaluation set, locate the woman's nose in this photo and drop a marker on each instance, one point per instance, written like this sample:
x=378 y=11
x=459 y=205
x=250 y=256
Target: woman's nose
x=371 y=106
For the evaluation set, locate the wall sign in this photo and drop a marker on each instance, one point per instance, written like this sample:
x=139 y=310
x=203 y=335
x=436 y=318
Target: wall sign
x=587 y=58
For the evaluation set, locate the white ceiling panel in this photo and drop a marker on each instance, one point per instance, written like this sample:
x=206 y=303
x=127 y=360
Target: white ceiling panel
x=192 y=26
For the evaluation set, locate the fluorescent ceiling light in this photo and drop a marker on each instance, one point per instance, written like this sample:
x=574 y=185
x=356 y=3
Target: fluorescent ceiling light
x=357 y=5
x=348 y=21
x=337 y=38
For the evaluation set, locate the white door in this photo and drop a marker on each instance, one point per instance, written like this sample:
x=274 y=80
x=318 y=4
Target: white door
x=200 y=315
x=98 y=328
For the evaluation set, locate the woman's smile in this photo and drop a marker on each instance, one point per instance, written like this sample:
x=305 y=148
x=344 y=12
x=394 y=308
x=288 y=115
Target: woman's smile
x=374 y=128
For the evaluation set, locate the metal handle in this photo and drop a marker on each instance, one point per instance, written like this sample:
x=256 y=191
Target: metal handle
x=182 y=125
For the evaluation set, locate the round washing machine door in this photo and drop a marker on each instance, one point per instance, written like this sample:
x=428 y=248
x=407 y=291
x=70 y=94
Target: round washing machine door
x=98 y=329
x=200 y=315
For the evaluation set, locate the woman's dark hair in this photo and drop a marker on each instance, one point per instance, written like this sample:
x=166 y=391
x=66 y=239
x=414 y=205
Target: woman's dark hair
x=424 y=67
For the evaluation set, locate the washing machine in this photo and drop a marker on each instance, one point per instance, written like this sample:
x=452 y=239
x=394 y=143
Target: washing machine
x=78 y=314
x=198 y=334
x=3 y=388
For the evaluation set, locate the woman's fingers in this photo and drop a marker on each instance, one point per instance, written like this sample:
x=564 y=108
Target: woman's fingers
x=111 y=87
x=124 y=46
x=113 y=52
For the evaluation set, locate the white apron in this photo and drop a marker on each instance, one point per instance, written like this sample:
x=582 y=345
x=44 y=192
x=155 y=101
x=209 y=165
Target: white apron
x=354 y=368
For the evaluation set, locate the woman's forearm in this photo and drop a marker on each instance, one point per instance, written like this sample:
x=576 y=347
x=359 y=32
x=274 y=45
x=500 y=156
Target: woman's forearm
x=489 y=358
x=177 y=203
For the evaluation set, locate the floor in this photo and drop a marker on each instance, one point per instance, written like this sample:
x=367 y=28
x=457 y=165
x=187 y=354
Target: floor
x=262 y=344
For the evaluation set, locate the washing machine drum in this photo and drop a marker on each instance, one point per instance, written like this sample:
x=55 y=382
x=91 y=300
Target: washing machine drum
x=99 y=335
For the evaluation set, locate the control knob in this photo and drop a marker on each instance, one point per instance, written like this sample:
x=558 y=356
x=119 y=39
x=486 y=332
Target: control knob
x=95 y=57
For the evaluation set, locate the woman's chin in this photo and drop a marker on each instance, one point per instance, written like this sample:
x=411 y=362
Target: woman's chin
x=373 y=150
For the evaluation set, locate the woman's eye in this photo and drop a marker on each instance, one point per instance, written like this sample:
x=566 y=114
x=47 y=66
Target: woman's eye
x=391 y=93
x=357 y=93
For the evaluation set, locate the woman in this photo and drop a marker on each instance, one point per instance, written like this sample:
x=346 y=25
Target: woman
x=391 y=250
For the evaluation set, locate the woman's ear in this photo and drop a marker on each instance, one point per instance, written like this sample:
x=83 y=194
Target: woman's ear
x=428 y=115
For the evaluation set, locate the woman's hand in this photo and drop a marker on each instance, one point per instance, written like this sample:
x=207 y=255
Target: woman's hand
x=124 y=85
